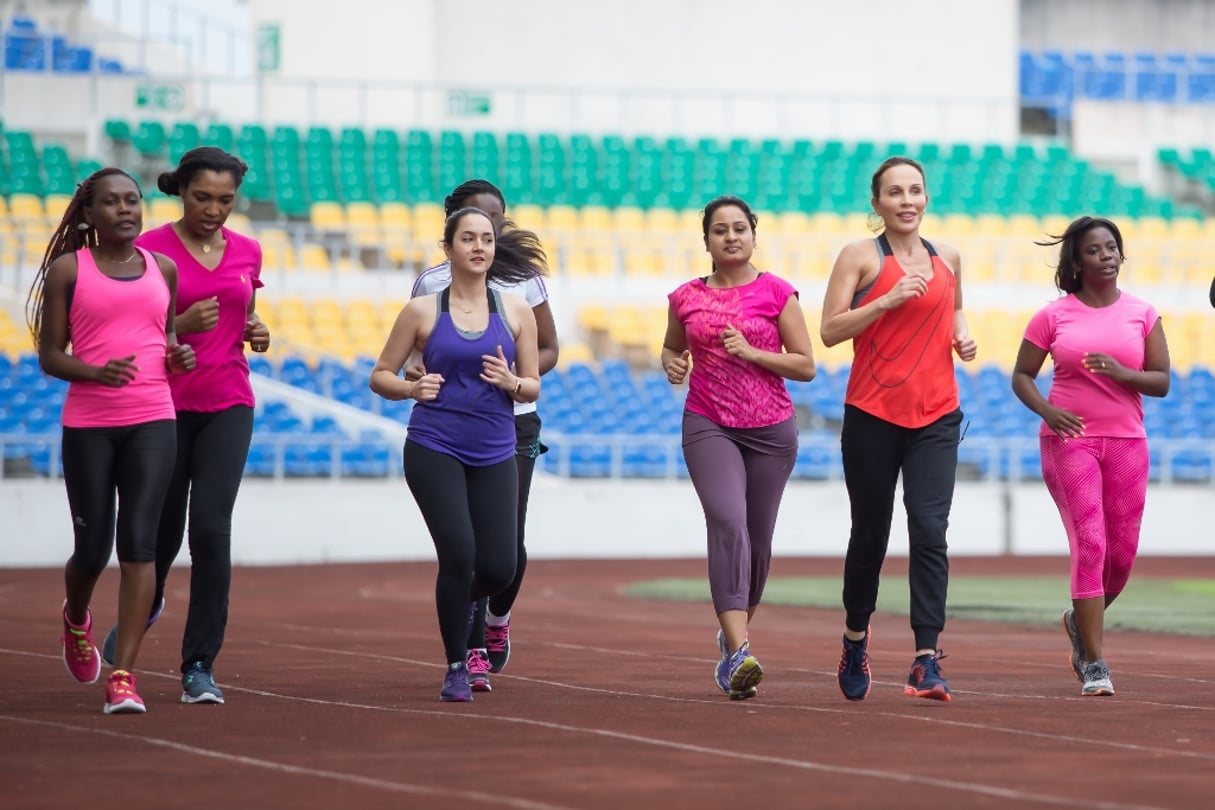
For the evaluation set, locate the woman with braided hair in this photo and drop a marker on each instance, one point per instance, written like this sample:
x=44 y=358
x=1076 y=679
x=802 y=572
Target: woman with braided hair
x=114 y=303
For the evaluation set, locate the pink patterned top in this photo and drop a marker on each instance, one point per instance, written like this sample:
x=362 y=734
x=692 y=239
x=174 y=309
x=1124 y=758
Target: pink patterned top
x=725 y=389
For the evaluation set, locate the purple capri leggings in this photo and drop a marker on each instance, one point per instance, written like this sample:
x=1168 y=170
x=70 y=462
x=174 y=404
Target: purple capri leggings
x=739 y=475
x=1099 y=485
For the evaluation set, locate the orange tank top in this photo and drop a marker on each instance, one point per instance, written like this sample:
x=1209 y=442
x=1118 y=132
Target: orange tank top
x=902 y=363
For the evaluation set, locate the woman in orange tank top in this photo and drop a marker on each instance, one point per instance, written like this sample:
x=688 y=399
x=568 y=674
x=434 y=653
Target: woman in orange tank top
x=899 y=299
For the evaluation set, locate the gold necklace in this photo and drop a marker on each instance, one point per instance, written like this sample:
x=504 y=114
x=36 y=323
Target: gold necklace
x=462 y=309
x=127 y=260
x=204 y=246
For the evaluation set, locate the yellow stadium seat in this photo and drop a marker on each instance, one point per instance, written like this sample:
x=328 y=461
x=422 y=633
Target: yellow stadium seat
x=396 y=215
x=428 y=220
x=327 y=216
x=663 y=221
x=56 y=206
x=162 y=210
x=529 y=217
x=240 y=223
x=26 y=207
x=313 y=256
x=595 y=218
x=629 y=220
x=563 y=218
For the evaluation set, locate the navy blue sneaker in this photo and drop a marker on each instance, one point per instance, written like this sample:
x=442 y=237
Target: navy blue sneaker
x=854 y=677
x=110 y=647
x=926 y=680
x=198 y=685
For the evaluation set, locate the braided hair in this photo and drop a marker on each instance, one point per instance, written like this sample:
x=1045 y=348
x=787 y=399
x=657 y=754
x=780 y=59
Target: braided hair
x=74 y=233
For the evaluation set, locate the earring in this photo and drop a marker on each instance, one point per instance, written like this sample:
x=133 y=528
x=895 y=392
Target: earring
x=83 y=226
x=874 y=221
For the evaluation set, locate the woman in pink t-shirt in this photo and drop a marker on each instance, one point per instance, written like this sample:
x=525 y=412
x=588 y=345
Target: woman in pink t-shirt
x=1109 y=350
x=219 y=272
x=113 y=303
x=745 y=334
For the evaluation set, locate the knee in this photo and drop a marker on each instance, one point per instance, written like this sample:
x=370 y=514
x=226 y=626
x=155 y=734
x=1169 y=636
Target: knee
x=497 y=577
x=88 y=565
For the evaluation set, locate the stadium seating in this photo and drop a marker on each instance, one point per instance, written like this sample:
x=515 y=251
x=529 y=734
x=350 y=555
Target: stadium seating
x=1052 y=80
x=606 y=419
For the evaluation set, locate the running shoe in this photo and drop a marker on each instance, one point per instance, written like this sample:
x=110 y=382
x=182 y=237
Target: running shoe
x=926 y=680
x=120 y=694
x=80 y=654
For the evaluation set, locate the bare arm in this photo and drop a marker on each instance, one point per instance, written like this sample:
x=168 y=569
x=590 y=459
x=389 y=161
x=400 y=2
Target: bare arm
x=407 y=332
x=1030 y=358
x=523 y=384
x=179 y=357
x=963 y=343
x=855 y=266
x=53 y=339
x=546 y=337
x=796 y=362
x=675 y=353
x=256 y=333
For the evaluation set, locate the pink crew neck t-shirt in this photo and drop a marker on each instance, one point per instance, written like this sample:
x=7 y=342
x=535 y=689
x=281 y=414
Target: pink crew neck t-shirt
x=1068 y=329
x=220 y=379
x=111 y=319
x=725 y=389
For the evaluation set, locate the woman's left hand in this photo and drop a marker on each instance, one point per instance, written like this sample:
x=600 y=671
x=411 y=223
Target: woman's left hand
x=496 y=371
x=180 y=358
x=257 y=334
x=1099 y=363
x=735 y=343
x=966 y=347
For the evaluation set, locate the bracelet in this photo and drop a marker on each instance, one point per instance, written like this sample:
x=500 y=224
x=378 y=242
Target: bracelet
x=518 y=385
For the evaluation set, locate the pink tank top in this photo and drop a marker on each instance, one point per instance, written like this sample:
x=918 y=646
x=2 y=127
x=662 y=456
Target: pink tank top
x=110 y=319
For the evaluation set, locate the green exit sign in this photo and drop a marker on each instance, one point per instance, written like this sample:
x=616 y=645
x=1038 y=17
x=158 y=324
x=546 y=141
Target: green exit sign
x=168 y=97
x=468 y=102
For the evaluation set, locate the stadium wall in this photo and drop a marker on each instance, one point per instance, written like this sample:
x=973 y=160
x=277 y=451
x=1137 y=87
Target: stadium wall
x=946 y=72
x=316 y=522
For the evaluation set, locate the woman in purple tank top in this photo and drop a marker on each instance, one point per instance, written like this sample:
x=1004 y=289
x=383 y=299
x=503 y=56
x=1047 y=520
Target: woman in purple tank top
x=480 y=352
x=114 y=303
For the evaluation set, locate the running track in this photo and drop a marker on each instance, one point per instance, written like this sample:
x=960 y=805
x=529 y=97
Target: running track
x=332 y=676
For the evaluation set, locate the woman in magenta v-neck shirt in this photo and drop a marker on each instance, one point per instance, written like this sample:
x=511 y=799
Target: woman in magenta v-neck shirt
x=218 y=277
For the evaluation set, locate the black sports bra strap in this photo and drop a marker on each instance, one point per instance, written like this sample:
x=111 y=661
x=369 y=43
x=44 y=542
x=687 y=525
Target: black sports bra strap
x=445 y=300
x=494 y=300
x=885 y=249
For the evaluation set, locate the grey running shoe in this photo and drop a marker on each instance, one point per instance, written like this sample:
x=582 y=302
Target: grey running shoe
x=1073 y=635
x=1097 y=680
x=198 y=686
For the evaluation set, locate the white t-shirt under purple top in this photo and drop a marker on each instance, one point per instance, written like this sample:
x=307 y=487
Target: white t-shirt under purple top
x=438 y=278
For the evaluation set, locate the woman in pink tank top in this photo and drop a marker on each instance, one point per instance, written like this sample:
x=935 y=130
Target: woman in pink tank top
x=113 y=303
x=1109 y=351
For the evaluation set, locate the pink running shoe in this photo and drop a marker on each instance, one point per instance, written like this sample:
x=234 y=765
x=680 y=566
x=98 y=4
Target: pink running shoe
x=80 y=654
x=478 y=671
x=120 y=695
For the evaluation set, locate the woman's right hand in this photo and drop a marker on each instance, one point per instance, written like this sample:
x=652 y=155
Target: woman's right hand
x=415 y=373
x=1065 y=424
x=677 y=369
x=201 y=316
x=909 y=286
x=118 y=372
x=426 y=388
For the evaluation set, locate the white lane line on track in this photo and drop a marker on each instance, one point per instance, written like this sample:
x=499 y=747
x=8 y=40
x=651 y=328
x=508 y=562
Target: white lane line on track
x=195 y=750
x=806 y=765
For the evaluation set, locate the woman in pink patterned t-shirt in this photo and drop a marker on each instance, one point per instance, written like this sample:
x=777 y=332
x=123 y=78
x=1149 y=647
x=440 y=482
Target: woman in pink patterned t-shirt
x=746 y=334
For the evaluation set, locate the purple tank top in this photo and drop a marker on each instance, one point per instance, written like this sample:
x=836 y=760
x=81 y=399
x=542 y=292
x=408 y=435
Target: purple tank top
x=470 y=419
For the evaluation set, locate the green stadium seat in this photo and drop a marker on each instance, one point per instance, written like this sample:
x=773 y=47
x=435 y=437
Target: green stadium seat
x=150 y=139
x=118 y=130
x=220 y=136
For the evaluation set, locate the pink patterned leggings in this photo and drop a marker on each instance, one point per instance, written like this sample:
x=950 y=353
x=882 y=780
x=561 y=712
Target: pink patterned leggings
x=1099 y=485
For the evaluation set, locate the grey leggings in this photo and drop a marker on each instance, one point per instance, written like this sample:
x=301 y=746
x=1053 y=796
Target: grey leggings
x=739 y=475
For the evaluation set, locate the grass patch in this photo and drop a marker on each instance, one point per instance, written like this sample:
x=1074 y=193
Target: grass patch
x=1154 y=605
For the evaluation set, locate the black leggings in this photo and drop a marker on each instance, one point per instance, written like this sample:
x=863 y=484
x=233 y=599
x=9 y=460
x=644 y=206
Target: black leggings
x=874 y=451
x=116 y=469
x=211 y=453
x=471 y=513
